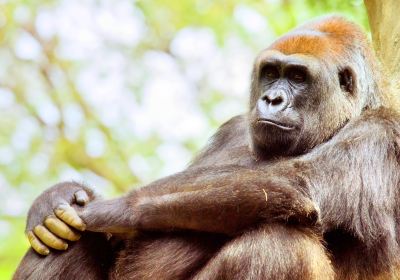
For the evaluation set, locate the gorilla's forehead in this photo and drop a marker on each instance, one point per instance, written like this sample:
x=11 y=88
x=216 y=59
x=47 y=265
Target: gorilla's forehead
x=309 y=42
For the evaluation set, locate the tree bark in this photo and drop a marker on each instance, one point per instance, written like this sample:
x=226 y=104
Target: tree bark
x=384 y=20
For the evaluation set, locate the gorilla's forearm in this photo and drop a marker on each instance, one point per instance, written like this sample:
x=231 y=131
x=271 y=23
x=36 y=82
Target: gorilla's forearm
x=227 y=202
x=228 y=205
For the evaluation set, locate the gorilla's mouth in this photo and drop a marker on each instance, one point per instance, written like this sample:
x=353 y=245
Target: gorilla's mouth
x=275 y=123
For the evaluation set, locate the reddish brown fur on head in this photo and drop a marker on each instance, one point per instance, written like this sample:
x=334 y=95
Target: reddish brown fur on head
x=328 y=37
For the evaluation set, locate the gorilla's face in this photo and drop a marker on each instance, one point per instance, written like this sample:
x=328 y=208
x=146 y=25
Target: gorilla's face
x=298 y=102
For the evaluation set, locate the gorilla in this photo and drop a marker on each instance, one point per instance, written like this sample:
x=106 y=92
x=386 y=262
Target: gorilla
x=303 y=186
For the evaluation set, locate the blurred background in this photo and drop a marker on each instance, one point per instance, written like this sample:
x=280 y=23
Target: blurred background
x=117 y=93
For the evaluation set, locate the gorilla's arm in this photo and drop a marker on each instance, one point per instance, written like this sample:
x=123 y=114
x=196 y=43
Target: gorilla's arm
x=229 y=200
x=352 y=178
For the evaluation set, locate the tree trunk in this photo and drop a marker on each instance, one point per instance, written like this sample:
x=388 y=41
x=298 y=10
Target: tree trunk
x=384 y=20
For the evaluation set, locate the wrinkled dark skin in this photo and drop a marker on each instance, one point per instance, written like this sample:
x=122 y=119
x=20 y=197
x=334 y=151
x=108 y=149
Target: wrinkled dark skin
x=316 y=157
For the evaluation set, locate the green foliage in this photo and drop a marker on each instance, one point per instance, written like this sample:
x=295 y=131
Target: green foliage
x=118 y=93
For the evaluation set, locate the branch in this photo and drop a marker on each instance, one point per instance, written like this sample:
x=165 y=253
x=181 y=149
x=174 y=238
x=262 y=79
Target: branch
x=121 y=175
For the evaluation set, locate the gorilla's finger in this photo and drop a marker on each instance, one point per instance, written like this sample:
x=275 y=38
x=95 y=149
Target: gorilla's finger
x=59 y=228
x=38 y=246
x=68 y=214
x=49 y=239
x=81 y=197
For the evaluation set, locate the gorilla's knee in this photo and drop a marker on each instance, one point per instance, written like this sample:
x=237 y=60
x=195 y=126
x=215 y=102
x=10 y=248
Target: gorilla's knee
x=274 y=252
x=89 y=258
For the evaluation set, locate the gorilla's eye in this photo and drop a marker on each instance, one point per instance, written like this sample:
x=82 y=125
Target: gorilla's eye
x=346 y=80
x=270 y=72
x=297 y=75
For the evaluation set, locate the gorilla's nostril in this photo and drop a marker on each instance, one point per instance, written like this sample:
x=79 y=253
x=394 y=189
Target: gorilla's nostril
x=273 y=99
x=277 y=100
x=266 y=99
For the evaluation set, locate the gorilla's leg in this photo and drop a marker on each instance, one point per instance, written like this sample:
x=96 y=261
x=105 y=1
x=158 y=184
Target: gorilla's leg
x=273 y=252
x=166 y=256
x=89 y=258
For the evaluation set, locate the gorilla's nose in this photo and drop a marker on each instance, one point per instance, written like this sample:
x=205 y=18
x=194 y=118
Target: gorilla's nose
x=275 y=100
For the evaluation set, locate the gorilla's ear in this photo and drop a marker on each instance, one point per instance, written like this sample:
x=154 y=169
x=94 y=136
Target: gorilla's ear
x=346 y=80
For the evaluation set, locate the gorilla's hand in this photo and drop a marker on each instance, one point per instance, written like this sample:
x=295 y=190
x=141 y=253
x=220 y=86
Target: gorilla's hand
x=52 y=219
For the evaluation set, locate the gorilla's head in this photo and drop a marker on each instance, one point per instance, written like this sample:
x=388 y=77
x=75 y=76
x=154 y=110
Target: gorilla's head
x=308 y=84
